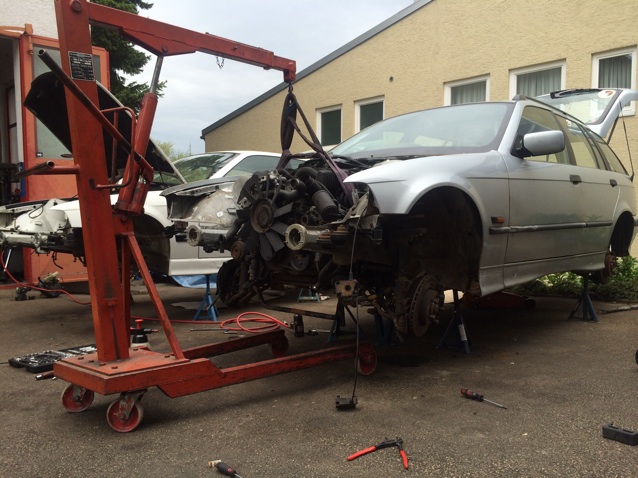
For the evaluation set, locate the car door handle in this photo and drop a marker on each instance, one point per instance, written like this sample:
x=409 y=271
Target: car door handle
x=575 y=178
x=613 y=183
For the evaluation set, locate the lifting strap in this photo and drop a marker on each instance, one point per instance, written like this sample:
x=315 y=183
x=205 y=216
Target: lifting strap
x=288 y=128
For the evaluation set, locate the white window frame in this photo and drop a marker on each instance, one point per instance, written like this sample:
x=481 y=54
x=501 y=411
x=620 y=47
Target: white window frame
x=537 y=68
x=357 y=110
x=329 y=109
x=630 y=109
x=447 y=91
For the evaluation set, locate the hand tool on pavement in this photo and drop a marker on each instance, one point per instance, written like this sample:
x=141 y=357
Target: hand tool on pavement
x=398 y=442
x=478 y=397
x=223 y=468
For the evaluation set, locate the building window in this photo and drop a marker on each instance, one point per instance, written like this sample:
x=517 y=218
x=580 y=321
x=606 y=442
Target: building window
x=329 y=121
x=467 y=91
x=616 y=69
x=367 y=113
x=536 y=81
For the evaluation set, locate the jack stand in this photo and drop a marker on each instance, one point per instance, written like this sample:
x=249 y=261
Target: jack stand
x=457 y=323
x=384 y=330
x=338 y=322
x=589 y=313
x=4 y=264
x=311 y=297
x=207 y=306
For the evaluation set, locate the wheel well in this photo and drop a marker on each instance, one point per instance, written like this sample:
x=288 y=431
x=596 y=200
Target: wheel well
x=444 y=238
x=153 y=242
x=622 y=235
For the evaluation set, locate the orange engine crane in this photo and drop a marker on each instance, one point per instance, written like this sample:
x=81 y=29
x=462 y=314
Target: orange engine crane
x=116 y=367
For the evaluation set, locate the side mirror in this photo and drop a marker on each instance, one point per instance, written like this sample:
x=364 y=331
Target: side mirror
x=541 y=143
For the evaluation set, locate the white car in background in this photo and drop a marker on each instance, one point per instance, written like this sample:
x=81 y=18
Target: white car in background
x=55 y=225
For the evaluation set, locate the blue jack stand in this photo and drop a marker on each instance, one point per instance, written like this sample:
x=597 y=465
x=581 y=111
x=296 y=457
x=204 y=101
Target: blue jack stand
x=207 y=306
x=313 y=296
x=589 y=313
x=457 y=324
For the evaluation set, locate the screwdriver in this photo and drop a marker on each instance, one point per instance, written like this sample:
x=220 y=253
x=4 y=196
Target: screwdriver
x=223 y=468
x=475 y=396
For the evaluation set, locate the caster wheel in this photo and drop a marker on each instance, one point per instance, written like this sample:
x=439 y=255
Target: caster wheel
x=76 y=399
x=367 y=363
x=279 y=347
x=118 y=422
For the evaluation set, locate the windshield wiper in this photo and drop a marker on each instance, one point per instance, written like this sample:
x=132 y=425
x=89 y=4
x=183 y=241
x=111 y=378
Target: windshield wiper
x=573 y=92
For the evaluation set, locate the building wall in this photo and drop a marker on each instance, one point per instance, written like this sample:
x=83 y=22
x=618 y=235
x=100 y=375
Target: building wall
x=39 y=13
x=410 y=62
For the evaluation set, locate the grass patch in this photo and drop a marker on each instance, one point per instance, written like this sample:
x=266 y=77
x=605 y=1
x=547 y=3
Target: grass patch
x=623 y=285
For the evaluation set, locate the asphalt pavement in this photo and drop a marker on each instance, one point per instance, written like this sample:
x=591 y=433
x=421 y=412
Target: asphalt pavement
x=561 y=381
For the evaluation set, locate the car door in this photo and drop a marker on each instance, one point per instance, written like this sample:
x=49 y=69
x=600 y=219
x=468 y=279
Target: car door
x=546 y=214
x=598 y=189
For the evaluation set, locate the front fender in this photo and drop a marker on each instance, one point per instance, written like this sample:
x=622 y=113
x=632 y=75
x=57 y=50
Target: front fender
x=397 y=186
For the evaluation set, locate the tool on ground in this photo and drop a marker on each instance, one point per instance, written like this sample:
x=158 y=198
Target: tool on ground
x=628 y=437
x=398 y=442
x=298 y=326
x=478 y=397
x=139 y=337
x=223 y=468
x=50 y=375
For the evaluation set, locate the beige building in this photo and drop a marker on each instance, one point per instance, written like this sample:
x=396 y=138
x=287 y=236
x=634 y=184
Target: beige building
x=439 y=52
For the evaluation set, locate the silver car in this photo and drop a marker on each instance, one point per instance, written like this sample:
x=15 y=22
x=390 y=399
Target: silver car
x=475 y=198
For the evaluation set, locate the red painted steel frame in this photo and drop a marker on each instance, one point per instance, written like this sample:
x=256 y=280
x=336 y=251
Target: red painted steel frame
x=116 y=368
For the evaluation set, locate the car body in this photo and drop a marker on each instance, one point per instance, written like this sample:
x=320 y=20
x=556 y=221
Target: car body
x=55 y=225
x=475 y=198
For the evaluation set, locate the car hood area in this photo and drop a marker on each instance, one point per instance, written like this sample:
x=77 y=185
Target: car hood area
x=33 y=224
x=47 y=101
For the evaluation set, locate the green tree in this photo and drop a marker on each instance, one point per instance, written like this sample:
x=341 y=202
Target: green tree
x=169 y=150
x=124 y=59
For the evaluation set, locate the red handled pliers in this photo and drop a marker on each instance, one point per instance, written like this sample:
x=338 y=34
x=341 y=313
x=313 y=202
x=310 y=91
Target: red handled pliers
x=398 y=442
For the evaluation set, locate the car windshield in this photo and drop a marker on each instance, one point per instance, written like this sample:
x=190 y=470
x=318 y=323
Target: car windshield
x=164 y=179
x=202 y=166
x=589 y=106
x=469 y=128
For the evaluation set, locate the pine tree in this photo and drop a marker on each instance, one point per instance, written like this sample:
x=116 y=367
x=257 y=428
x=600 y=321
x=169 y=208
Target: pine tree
x=124 y=59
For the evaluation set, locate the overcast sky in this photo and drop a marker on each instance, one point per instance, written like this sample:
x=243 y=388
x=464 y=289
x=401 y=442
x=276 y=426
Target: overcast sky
x=199 y=92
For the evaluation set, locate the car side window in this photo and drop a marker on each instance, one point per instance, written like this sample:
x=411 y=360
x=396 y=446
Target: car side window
x=578 y=141
x=534 y=120
x=610 y=156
